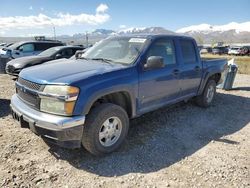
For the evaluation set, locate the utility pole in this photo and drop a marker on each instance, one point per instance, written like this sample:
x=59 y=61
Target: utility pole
x=54 y=31
x=87 y=39
x=54 y=28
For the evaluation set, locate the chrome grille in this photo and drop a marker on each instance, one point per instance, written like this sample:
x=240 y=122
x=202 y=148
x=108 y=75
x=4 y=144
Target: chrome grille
x=30 y=99
x=28 y=84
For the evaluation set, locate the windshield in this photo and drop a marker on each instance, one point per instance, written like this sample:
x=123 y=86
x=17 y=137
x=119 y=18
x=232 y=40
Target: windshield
x=122 y=50
x=50 y=51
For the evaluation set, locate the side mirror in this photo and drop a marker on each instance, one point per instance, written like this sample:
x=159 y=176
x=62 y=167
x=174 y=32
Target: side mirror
x=78 y=54
x=58 y=56
x=154 y=62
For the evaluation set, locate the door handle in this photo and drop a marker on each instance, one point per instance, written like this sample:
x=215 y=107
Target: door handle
x=176 y=72
x=197 y=68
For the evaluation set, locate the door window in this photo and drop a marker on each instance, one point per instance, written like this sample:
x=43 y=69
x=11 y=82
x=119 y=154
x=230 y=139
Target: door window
x=67 y=53
x=41 y=46
x=27 y=48
x=188 y=51
x=164 y=48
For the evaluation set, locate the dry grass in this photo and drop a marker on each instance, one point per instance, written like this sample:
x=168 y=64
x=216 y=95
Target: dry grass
x=242 y=61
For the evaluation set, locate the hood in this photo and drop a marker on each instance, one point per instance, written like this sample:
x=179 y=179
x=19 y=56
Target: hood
x=30 y=60
x=67 y=71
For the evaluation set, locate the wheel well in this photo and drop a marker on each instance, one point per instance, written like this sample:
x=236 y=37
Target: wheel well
x=121 y=99
x=216 y=77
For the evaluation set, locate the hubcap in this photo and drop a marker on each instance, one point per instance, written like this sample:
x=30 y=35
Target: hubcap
x=210 y=93
x=110 y=131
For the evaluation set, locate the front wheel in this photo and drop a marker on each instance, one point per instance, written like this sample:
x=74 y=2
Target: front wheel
x=207 y=96
x=105 y=129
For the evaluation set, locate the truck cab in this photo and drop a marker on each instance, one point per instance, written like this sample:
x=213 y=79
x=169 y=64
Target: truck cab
x=88 y=101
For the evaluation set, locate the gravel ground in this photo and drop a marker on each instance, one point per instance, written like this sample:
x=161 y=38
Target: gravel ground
x=178 y=146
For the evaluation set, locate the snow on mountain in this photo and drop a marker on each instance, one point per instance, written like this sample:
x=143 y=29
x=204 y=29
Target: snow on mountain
x=131 y=30
x=206 y=28
x=102 y=32
x=155 y=30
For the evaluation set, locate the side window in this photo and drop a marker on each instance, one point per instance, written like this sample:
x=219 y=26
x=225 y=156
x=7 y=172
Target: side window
x=27 y=47
x=164 y=48
x=41 y=46
x=53 y=44
x=67 y=53
x=188 y=51
x=74 y=51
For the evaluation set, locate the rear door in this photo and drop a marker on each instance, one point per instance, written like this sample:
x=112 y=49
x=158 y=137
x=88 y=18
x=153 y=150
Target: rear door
x=40 y=46
x=190 y=68
x=159 y=86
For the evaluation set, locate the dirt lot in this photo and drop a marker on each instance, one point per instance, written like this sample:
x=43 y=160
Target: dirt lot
x=178 y=146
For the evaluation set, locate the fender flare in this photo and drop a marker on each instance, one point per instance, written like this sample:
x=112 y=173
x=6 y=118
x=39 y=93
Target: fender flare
x=97 y=95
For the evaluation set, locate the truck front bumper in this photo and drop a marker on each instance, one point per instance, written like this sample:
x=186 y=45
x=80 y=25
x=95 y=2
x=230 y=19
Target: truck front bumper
x=60 y=130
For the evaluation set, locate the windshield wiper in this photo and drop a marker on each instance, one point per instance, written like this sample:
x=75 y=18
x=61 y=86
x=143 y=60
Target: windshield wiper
x=109 y=61
x=83 y=58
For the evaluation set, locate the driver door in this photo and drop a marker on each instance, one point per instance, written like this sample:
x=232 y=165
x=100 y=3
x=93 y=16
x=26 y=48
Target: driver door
x=159 y=86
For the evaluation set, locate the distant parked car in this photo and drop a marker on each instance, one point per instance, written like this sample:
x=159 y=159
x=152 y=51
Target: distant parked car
x=28 y=48
x=234 y=51
x=6 y=45
x=2 y=44
x=245 y=50
x=206 y=50
x=219 y=50
x=14 y=66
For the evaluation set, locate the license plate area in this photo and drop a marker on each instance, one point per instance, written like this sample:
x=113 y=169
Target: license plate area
x=18 y=118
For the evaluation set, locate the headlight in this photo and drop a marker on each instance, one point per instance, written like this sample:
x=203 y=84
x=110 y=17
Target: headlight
x=58 y=99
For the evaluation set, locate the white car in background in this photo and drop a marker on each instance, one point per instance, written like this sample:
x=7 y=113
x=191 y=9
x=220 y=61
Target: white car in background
x=2 y=44
x=234 y=51
x=27 y=48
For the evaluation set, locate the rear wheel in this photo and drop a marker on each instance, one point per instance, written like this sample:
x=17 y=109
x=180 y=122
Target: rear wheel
x=206 y=98
x=105 y=129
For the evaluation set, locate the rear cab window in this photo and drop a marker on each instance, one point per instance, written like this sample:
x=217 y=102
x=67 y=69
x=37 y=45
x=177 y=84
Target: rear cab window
x=188 y=51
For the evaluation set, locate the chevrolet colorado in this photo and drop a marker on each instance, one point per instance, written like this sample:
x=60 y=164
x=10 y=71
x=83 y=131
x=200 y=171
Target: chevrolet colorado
x=89 y=100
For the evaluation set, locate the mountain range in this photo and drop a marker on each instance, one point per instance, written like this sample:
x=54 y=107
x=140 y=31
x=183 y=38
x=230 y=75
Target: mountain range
x=229 y=33
x=203 y=33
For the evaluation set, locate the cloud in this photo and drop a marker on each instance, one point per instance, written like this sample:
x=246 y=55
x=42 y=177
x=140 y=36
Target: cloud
x=30 y=8
x=102 y=8
x=2 y=33
x=60 y=19
x=42 y=9
x=122 y=26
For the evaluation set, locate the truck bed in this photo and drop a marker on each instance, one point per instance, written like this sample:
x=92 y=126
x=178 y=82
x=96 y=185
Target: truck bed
x=211 y=62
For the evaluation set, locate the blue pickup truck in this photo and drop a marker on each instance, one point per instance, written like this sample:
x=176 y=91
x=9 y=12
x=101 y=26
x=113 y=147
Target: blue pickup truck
x=88 y=101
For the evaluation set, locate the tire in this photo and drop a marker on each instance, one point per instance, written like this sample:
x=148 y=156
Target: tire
x=105 y=120
x=205 y=100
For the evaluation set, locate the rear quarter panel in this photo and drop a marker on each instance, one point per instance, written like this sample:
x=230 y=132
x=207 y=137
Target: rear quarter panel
x=211 y=67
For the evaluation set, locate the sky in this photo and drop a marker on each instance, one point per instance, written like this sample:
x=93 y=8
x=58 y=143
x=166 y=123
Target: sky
x=33 y=17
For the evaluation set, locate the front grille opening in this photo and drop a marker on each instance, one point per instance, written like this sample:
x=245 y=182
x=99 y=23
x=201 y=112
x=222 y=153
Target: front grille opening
x=29 y=84
x=29 y=98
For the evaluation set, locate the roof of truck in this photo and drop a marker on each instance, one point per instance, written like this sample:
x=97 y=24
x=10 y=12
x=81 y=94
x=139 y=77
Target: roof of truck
x=152 y=36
